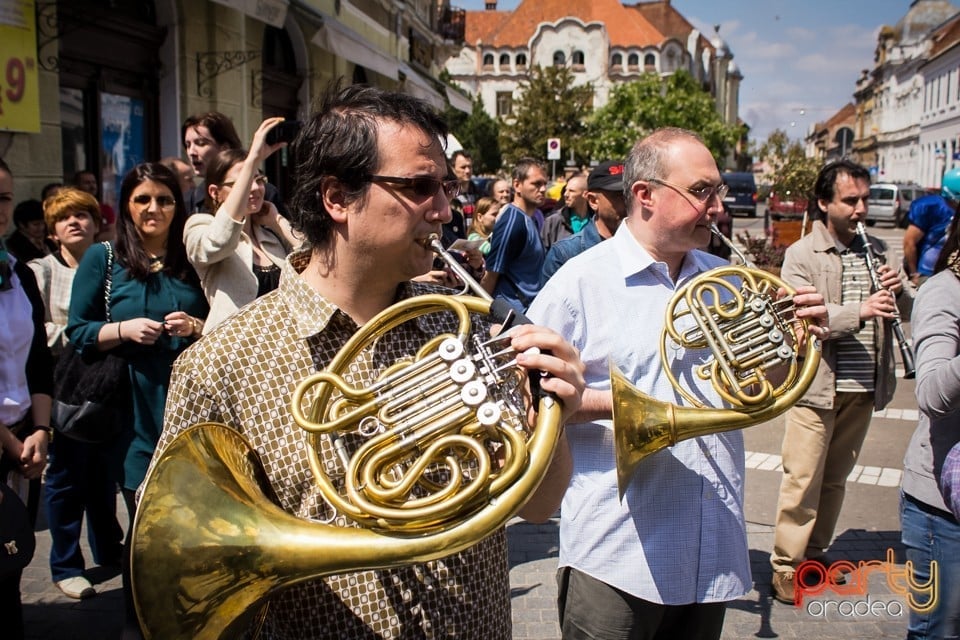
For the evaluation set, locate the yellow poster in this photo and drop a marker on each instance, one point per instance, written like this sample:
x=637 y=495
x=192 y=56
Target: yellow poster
x=19 y=88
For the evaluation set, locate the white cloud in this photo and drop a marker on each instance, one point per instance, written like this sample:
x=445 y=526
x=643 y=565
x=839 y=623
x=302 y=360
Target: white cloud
x=789 y=68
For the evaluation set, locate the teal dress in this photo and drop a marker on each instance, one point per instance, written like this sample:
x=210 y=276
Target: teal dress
x=149 y=365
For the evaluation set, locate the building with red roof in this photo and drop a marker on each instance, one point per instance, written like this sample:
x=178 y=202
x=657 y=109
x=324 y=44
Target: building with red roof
x=603 y=42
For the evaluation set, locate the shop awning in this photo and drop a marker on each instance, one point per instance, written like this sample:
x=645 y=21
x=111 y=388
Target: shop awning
x=417 y=85
x=348 y=44
x=272 y=12
x=459 y=101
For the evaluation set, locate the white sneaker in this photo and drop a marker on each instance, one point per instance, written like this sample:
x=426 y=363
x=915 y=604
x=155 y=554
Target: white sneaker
x=77 y=587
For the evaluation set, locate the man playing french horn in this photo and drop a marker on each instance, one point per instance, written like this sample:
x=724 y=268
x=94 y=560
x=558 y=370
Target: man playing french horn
x=662 y=561
x=371 y=191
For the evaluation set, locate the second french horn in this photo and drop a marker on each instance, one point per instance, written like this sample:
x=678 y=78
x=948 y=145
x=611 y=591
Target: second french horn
x=757 y=366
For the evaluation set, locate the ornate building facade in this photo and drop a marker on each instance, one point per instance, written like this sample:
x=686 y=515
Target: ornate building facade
x=111 y=82
x=833 y=138
x=603 y=42
x=903 y=104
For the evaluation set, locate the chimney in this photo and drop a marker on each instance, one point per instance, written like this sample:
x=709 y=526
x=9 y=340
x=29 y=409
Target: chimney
x=491 y=6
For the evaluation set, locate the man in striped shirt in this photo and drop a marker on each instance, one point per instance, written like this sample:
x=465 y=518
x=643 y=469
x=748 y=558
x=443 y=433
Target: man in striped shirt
x=825 y=431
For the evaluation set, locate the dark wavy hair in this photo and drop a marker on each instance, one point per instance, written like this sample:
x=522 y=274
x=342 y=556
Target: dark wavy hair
x=825 y=186
x=129 y=247
x=340 y=140
x=217 y=170
x=219 y=125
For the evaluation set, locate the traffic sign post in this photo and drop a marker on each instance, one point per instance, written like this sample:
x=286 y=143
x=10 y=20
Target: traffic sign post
x=553 y=154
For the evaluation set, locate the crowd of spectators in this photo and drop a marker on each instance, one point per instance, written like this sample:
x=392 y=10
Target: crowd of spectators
x=193 y=243
x=190 y=242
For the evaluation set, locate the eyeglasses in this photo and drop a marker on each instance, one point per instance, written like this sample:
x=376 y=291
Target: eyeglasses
x=164 y=202
x=703 y=194
x=261 y=181
x=422 y=186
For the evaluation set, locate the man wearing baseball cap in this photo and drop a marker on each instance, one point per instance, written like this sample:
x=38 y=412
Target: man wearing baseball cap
x=605 y=200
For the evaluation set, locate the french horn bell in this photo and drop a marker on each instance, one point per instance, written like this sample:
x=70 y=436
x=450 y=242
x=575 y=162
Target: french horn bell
x=435 y=455
x=757 y=366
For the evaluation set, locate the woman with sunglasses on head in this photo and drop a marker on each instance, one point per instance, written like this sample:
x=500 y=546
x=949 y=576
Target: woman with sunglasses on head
x=156 y=310
x=239 y=250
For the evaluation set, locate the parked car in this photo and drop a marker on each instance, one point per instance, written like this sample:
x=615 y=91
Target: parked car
x=742 y=197
x=890 y=202
x=785 y=207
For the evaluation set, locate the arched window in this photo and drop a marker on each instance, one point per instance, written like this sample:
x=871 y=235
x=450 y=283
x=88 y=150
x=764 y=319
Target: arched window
x=649 y=61
x=521 y=60
x=671 y=63
x=616 y=60
x=488 y=60
x=577 y=59
x=559 y=59
x=633 y=61
x=504 y=61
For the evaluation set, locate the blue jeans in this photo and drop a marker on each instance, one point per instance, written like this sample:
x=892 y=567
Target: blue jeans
x=78 y=481
x=930 y=534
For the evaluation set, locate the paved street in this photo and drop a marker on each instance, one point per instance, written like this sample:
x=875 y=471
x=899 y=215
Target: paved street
x=868 y=528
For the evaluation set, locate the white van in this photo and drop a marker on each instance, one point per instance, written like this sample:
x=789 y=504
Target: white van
x=890 y=202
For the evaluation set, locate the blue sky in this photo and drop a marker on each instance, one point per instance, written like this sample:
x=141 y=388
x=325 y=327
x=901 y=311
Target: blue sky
x=800 y=60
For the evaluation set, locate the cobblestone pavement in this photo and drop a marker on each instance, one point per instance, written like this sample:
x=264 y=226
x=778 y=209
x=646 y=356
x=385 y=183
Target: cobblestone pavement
x=868 y=528
x=533 y=561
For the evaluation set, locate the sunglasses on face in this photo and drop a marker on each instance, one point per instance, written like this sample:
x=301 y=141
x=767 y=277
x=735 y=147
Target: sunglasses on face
x=421 y=186
x=164 y=202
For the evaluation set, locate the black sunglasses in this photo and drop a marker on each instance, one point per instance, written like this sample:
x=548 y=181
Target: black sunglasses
x=164 y=202
x=421 y=186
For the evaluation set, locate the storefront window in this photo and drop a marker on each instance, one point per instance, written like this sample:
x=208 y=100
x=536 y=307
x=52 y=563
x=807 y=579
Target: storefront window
x=73 y=132
x=123 y=142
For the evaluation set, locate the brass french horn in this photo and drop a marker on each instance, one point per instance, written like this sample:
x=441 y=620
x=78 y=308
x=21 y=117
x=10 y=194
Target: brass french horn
x=757 y=367
x=436 y=455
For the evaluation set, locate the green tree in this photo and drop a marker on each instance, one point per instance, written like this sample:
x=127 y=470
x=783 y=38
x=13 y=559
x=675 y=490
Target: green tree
x=636 y=108
x=792 y=173
x=549 y=106
x=479 y=135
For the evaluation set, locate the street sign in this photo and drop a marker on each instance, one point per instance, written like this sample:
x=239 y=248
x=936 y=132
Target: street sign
x=19 y=76
x=553 y=148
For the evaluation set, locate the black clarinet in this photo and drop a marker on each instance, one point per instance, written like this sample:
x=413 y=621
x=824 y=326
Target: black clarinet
x=906 y=349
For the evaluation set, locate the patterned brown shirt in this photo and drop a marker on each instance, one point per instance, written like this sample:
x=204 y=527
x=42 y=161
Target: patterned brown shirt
x=243 y=374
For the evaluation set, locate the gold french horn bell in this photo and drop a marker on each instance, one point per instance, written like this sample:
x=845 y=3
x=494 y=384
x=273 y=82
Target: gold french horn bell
x=436 y=455
x=756 y=366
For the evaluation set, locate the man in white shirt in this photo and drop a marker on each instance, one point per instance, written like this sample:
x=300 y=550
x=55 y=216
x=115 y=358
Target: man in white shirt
x=665 y=560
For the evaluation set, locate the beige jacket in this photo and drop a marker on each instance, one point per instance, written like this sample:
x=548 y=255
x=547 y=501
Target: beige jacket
x=222 y=254
x=814 y=260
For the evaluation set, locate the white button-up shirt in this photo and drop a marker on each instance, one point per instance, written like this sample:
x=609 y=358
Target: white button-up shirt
x=16 y=334
x=679 y=535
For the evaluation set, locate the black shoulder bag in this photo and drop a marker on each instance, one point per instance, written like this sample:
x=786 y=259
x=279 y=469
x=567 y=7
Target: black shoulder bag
x=91 y=392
